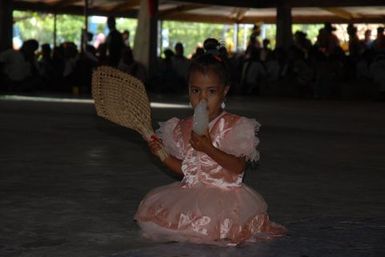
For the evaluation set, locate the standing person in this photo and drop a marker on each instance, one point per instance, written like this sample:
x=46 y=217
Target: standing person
x=180 y=64
x=253 y=72
x=210 y=205
x=126 y=38
x=265 y=50
x=327 y=41
x=18 y=68
x=355 y=46
x=379 y=42
x=367 y=41
x=129 y=65
x=114 y=42
x=46 y=66
x=255 y=33
x=302 y=42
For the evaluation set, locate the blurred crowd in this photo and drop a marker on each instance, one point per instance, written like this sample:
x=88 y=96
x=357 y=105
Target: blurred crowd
x=319 y=70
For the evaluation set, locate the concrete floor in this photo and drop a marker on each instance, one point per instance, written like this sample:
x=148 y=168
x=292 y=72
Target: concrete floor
x=70 y=182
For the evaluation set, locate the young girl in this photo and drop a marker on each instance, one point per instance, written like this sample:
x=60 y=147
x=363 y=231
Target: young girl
x=210 y=205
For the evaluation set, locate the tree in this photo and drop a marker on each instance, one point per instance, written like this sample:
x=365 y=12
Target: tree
x=40 y=26
x=34 y=25
x=191 y=34
x=69 y=28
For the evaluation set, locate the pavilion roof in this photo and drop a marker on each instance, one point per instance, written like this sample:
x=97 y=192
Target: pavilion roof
x=224 y=11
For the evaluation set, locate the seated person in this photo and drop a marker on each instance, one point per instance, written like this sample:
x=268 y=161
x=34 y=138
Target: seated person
x=19 y=67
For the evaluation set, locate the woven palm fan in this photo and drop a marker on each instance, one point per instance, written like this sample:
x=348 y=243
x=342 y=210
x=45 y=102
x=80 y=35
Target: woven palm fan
x=122 y=99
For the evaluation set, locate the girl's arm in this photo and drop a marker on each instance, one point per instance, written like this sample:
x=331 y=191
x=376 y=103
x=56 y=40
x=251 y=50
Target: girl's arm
x=228 y=161
x=174 y=164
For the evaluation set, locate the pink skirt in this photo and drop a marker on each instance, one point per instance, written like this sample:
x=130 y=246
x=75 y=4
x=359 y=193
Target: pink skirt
x=206 y=214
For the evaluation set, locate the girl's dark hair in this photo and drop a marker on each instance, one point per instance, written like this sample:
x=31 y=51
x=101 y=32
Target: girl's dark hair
x=213 y=60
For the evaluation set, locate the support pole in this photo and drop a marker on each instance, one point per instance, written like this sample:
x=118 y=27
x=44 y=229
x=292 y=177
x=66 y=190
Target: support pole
x=55 y=29
x=86 y=7
x=84 y=32
x=146 y=36
x=160 y=33
x=236 y=37
x=245 y=36
x=284 y=37
x=153 y=37
x=6 y=23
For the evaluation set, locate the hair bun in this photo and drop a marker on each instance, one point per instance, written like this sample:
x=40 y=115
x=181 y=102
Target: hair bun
x=214 y=59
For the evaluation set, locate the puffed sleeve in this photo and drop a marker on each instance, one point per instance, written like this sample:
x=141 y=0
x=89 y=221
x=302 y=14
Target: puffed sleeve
x=242 y=140
x=171 y=137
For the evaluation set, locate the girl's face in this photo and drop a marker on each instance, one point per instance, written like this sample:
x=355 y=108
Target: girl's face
x=207 y=86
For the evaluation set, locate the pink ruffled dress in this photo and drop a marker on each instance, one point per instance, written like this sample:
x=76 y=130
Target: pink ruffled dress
x=210 y=205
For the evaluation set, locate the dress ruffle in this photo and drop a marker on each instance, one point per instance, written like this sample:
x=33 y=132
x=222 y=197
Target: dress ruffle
x=171 y=139
x=241 y=140
x=206 y=215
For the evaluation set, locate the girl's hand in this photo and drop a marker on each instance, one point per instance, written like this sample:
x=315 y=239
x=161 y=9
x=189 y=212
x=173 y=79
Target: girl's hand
x=201 y=143
x=155 y=144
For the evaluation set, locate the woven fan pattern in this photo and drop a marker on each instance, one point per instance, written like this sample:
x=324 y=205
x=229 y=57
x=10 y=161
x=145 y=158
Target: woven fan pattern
x=122 y=99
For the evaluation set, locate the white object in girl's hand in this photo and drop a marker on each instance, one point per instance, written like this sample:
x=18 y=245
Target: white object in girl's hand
x=201 y=118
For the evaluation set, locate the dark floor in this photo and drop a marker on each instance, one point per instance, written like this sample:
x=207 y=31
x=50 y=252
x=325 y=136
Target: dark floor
x=70 y=182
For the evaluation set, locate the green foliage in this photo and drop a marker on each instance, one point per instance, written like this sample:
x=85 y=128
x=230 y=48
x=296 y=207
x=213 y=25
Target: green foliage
x=123 y=24
x=34 y=25
x=191 y=34
x=40 y=26
x=69 y=28
x=270 y=32
x=310 y=29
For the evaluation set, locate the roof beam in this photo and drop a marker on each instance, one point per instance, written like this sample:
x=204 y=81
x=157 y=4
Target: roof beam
x=340 y=13
x=201 y=18
x=292 y=3
x=74 y=10
x=125 y=5
x=68 y=2
x=272 y=19
x=180 y=9
x=238 y=14
x=237 y=3
x=61 y=3
x=337 y=20
x=333 y=3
